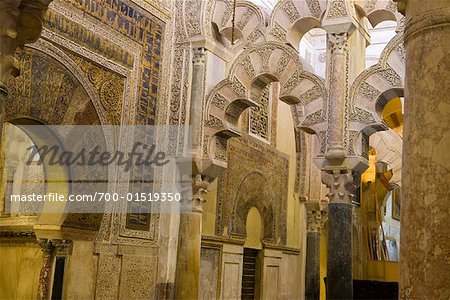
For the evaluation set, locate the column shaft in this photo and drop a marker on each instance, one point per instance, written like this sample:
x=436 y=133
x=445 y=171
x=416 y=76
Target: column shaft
x=190 y=241
x=425 y=241
x=188 y=264
x=197 y=91
x=312 y=274
x=339 y=256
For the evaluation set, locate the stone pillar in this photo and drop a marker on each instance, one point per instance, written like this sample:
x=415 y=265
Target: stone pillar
x=48 y=251
x=339 y=256
x=197 y=92
x=425 y=239
x=189 y=241
x=338 y=87
x=312 y=275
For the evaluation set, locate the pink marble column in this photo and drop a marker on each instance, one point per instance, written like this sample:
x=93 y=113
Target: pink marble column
x=425 y=204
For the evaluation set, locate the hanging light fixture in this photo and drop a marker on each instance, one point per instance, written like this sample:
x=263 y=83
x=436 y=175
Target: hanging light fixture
x=233 y=20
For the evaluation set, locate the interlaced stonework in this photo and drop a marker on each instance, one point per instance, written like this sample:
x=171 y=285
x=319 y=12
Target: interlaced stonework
x=260 y=117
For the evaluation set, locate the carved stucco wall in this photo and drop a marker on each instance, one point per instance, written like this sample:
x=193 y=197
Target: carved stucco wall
x=256 y=176
x=102 y=62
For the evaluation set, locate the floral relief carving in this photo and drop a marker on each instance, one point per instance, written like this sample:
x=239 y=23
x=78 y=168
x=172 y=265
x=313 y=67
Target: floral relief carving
x=238 y=88
x=314 y=118
x=221 y=149
x=192 y=15
x=279 y=32
x=109 y=86
x=292 y=82
x=369 y=5
x=265 y=53
x=310 y=95
x=214 y=122
x=390 y=76
x=315 y=220
x=219 y=101
x=369 y=91
x=282 y=64
x=259 y=116
x=226 y=16
x=243 y=21
x=254 y=36
x=291 y=11
x=247 y=65
x=314 y=7
x=337 y=9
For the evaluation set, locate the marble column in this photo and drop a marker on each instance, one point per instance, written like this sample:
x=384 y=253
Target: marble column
x=338 y=42
x=312 y=275
x=197 y=95
x=339 y=256
x=189 y=241
x=425 y=238
x=48 y=251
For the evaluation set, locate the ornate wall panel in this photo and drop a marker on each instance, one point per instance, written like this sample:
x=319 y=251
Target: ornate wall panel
x=257 y=175
x=133 y=22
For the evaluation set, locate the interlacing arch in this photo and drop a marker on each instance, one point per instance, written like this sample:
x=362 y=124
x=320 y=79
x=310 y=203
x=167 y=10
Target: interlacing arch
x=250 y=73
x=371 y=91
x=249 y=21
x=378 y=11
x=291 y=19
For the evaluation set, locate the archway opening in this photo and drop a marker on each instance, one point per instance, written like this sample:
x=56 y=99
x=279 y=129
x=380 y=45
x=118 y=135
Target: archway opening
x=392 y=114
x=391 y=223
x=313 y=51
x=251 y=271
x=380 y=35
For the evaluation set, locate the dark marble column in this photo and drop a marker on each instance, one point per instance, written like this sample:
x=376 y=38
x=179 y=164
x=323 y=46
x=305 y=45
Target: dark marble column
x=314 y=225
x=312 y=275
x=339 y=260
x=339 y=256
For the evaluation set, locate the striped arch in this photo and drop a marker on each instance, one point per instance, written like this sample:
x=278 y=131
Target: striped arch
x=370 y=93
x=249 y=21
x=291 y=19
x=378 y=11
x=250 y=73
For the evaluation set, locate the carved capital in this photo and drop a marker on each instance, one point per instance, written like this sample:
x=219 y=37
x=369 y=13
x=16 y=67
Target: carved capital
x=338 y=42
x=341 y=186
x=199 y=56
x=200 y=187
x=315 y=219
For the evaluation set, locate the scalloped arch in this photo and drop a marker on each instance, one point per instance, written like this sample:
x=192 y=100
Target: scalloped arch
x=373 y=89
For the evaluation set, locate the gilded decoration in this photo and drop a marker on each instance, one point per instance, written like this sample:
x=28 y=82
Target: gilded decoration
x=48 y=92
x=130 y=20
x=108 y=85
